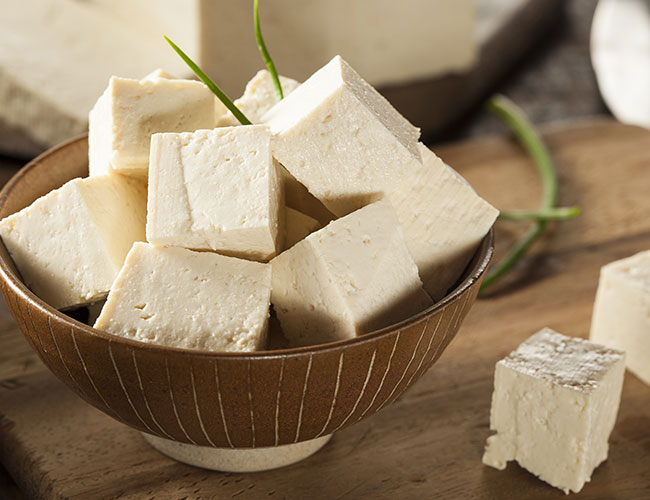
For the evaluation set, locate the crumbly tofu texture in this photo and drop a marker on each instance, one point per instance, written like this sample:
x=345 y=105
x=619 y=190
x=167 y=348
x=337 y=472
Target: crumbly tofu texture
x=129 y=111
x=70 y=244
x=297 y=226
x=351 y=277
x=444 y=220
x=554 y=406
x=341 y=139
x=258 y=98
x=216 y=190
x=197 y=300
x=621 y=317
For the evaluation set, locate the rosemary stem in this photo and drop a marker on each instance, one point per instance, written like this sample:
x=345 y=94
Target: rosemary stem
x=265 y=53
x=210 y=84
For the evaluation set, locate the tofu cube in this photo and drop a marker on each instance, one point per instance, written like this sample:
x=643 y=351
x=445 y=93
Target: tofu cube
x=554 y=406
x=215 y=190
x=297 y=226
x=129 y=111
x=444 y=220
x=70 y=244
x=340 y=138
x=299 y=198
x=621 y=317
x=258 y=98
x=352 y=277
x=196 y=300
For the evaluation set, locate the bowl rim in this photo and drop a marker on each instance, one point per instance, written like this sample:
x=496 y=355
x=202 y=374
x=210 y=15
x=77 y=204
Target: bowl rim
x=484 y=252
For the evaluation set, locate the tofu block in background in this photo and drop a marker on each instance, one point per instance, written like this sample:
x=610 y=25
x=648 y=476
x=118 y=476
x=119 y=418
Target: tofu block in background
x=196 y=300
x=55 y=59
x=297 y=226
x=258 y=98
x=386 y=42
x=352 y=277
x=299 y=198
x=216 y=190
x=342 y=140
x=554 y=406
x=444 y=220
x=621 y=317
x=129 y=111
x=70 y=244
x=158 y=74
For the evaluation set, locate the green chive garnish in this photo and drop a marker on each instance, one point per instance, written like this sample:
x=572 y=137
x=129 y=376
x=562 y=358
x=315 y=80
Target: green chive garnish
x=561 y=213
x=265 y=53
x=210 y=84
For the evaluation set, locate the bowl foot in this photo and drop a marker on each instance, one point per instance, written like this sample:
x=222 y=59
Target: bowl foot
x=237 y=459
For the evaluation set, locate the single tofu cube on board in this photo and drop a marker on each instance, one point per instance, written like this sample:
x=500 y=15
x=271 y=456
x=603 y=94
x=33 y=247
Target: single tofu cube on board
x=342 y=139
x=197 y=300
x=352 y=277
x=258 y=98
x=554 y=406
x=70 y=244
x=444 y=220
x=129 y=111
x=216 y=190
x=297 y=226
x=621 y=317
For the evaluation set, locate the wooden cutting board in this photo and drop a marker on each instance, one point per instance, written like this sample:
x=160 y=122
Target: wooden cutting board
x=429 y=443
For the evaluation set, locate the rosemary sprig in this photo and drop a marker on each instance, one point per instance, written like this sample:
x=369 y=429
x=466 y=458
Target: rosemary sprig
x=210 y=84
x=515 y=118
x=265 y=53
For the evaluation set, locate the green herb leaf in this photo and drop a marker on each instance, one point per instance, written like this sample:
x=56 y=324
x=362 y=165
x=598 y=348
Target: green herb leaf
x=561 y=213
x=265 y=53
x=531 y=141
x=210 y=84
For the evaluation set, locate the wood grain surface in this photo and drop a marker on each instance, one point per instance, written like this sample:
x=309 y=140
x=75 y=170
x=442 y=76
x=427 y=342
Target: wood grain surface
x=428 y=444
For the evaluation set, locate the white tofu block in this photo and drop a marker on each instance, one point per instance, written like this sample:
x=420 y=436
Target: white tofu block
x=129 y=111
x=299 y=198
x=258 y=98
x=157 y=74
x=388 y=42
x=216 y=190
x=340 y=138
x=554 y=406
x=55 y=59
x=70 y=244
x=352 y=277
x=621 y=317
x=444 y=220
x=297 y=226
x=197 y=300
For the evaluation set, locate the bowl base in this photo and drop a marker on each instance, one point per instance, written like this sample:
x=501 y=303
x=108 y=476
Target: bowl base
x=237 y=459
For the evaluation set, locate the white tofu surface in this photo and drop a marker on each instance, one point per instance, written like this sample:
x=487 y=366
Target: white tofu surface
x=299 y=198
x=70 y=244
x=129 y=111
x=444 y=221
x=297 y=226
x=258 y=98
x=621 y=317
x=195 y=300
x=216 y=190
x=554 y=406
x=342 y=140
x=352 y=277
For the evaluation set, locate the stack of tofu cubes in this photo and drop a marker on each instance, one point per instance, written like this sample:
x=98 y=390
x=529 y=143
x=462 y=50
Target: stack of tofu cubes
x=191 y=225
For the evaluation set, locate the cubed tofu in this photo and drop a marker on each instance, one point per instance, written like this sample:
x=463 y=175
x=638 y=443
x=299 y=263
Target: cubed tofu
x=258 y=98
x=70 y=244
x=216 y=190
x=297 y=226
x=157 y=74
x=129 y=111
x=554 y=406
x=621 y=317
x=299 y=198
x=444 y=220
x=341 y=139
x=196 y=300
x=352 y=277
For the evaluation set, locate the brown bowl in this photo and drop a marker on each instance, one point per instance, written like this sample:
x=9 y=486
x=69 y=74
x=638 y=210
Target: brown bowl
x=224 y=399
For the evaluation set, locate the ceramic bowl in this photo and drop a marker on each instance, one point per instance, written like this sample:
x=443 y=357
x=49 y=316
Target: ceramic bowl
x=225 y=400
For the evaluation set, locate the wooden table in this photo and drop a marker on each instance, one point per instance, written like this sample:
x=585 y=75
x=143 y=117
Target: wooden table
x=429 y=443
